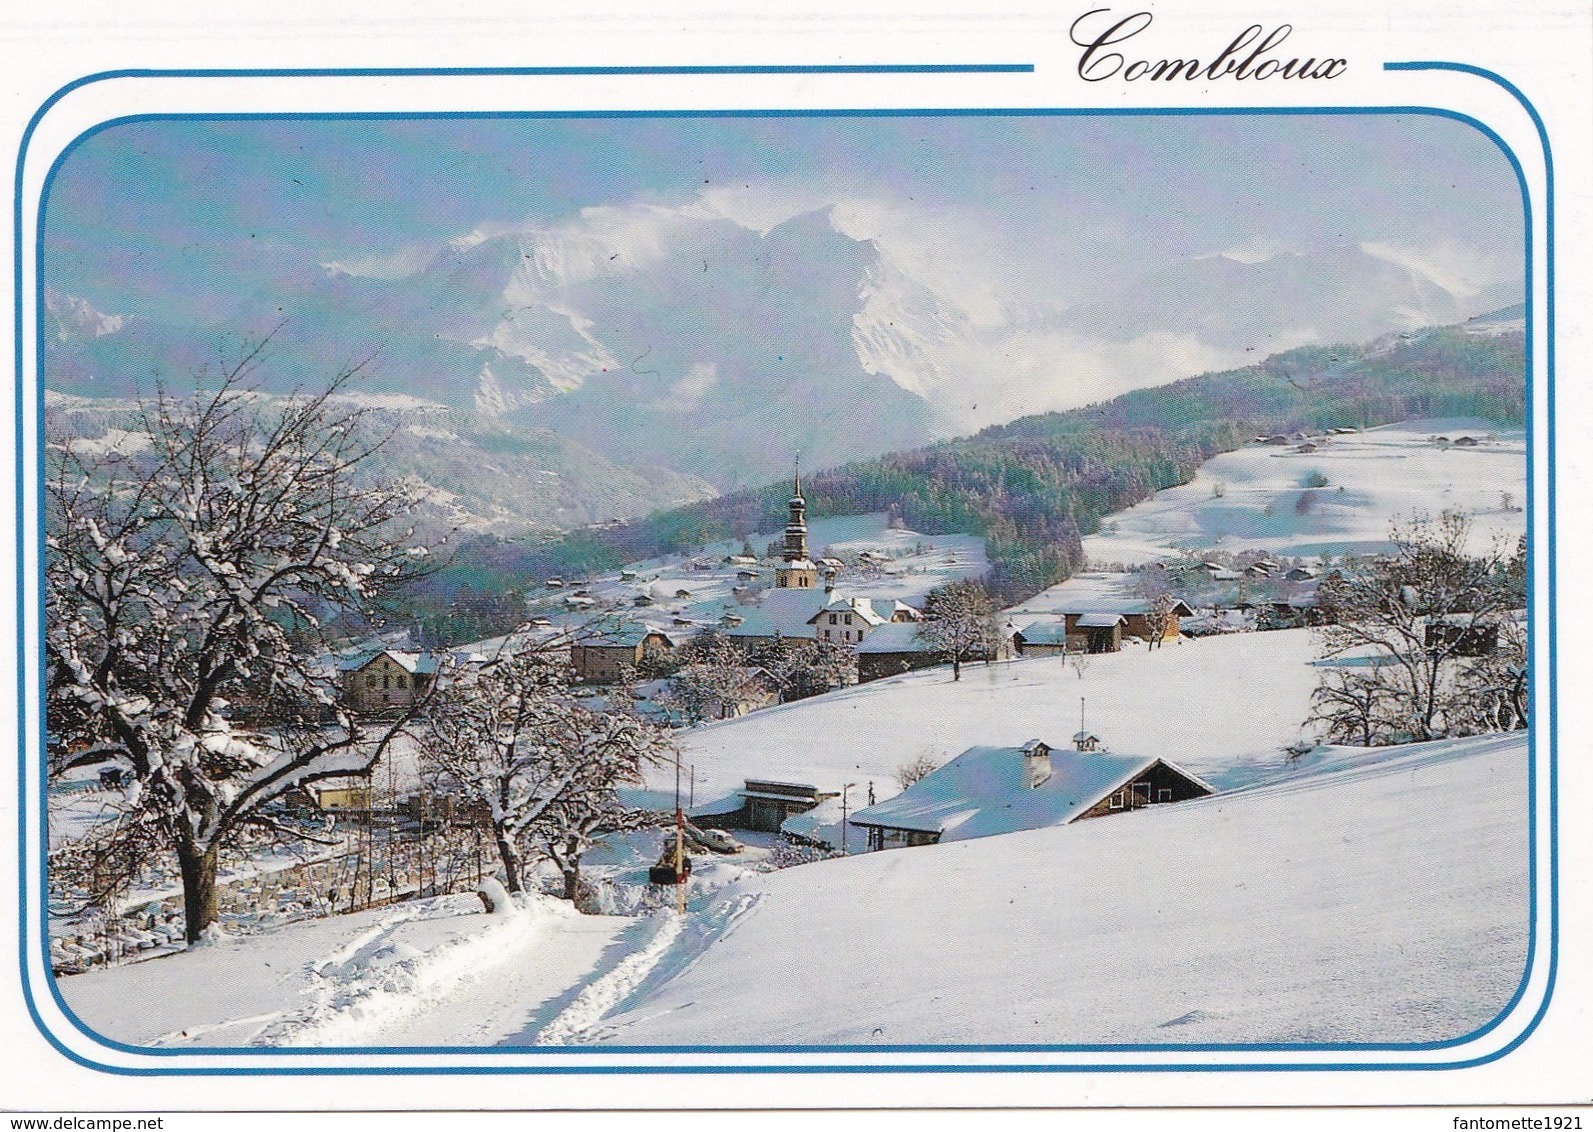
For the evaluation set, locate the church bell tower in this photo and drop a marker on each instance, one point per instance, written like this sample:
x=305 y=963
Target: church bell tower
x=798 y=571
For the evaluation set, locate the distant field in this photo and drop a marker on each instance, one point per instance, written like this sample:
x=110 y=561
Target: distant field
x=1258 y=498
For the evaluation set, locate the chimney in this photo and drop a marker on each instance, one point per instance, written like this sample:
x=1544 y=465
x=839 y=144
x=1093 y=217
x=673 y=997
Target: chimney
x=1036 y=763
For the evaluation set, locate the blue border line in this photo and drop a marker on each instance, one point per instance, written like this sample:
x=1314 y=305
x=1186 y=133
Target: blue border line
x=1552 y=596
x=831 y=1049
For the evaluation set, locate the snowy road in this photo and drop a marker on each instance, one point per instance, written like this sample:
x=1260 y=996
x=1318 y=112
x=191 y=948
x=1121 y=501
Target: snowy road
x=433 y=973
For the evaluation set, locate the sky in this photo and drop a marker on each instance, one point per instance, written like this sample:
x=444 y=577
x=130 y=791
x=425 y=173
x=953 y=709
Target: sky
x=176 y=215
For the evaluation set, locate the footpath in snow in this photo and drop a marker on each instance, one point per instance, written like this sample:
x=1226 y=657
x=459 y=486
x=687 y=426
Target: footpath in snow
x=436 y=972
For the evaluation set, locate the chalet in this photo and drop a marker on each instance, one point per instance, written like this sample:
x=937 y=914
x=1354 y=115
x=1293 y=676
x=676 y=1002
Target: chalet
x=1300 y=574
x=1466 y=442
x=992 y=790
x=845 y=621
x=761 y=805
x=603 y=654
x=893 y=649
x=387 y=682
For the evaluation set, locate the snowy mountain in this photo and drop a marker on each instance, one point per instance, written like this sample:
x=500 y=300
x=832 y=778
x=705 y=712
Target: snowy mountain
x=472 y=478
x=1293 y=299
x=681 y=338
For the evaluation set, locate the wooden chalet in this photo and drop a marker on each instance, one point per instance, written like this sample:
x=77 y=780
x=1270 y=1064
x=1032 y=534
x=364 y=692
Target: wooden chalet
x=987 y=791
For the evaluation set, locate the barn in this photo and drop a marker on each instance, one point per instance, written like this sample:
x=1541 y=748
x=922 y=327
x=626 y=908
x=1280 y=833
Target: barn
x=761 y=805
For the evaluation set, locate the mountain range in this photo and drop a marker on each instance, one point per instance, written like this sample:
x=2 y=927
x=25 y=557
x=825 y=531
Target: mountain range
x=672 y=353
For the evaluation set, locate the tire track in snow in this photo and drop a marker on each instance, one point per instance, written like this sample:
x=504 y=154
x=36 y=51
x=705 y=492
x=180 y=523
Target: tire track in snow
x=608 y=991
x=675 y=947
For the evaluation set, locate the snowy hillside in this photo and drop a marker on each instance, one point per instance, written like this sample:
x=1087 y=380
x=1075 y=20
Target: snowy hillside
x=1369 y=896
x=1385 y=902
x=1261 y=497
x=1223 y=707
x=470 y=478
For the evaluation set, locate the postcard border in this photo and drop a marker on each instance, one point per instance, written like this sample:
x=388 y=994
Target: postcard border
x=24 y=538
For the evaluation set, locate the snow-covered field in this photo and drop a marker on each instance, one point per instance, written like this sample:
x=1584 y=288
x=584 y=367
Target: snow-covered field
x=1367 y=896
x=1223 y=707
x=1251 y=499
x=1382 y=899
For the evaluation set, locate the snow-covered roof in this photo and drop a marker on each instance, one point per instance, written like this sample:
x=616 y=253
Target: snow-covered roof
x=984 y=791
x=783 y=613
x=417 y=663
x=860 y=606
x=1100 y=620
x=895 y=636
x=1094 y=593
x=1045 y=633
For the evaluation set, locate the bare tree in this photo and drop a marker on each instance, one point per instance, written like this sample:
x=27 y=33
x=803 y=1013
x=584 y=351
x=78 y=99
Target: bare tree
x=186 y=581
x=481 y=739
x=802 y=668
x=960 y=621
x=508 y=736
x=916 y=769
x=1355 y=707
x=1153 y=586
x=1422 y=614
x=712 y=681
x=604 y=750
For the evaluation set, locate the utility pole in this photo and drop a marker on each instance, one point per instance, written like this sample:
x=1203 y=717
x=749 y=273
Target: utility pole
x=844 y=789
x=680 y=845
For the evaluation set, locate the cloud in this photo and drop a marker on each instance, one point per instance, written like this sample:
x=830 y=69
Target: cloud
x=1459 y=270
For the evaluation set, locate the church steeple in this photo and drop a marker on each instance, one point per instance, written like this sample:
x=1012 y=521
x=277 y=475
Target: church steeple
x=797 y=572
